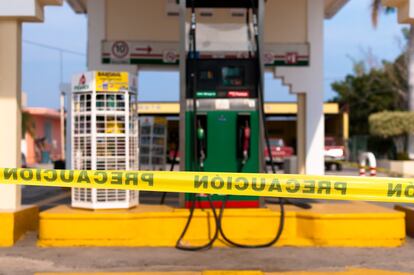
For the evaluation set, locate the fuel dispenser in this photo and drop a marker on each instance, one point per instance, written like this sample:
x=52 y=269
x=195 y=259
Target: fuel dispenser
x=224 y=119
x=223 y=131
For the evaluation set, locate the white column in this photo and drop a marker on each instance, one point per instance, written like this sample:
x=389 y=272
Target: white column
x=315 y=134
x=10 y=107
x=97 y=34
x=301 y=133
x=309 y=80
x=315 y=119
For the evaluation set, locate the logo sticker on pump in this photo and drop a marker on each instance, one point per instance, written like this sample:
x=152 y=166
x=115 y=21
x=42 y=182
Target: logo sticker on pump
x=222 y=104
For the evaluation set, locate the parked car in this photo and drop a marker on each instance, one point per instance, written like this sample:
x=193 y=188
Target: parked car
x=334 y=154
x=279 y=151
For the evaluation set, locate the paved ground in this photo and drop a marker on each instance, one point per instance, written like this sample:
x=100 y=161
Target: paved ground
x=26 y=258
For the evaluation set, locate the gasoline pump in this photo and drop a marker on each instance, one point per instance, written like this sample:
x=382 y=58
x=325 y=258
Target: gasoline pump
x=224 y=120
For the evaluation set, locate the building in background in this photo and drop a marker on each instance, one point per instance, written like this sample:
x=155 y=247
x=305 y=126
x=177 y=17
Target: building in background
x=41 y=144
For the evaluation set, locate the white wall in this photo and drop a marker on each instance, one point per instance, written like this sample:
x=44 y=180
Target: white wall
x=97 y=16
x=285 y=21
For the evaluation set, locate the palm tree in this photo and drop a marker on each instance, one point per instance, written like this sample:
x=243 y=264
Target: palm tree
x=376 y=9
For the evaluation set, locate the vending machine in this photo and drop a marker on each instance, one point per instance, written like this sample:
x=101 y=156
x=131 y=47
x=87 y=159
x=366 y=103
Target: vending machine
x=104 y=134
x=153 y=143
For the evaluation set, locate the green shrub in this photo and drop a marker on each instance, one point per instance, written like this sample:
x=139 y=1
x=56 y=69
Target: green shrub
x=396 y=125
x=391 y=124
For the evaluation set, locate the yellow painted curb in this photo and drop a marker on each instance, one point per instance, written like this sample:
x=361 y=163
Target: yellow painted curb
x=15 y=223
x=235 y=272
x=356 y=224
x=347 y=272
x=153 y=226
x=409 y=218
x=340 y=224
x=351 y=271
x=124 y=273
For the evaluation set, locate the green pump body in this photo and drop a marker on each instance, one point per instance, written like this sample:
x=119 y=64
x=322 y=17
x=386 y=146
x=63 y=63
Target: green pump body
x=226 y=96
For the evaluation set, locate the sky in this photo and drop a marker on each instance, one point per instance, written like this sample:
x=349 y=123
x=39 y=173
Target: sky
x=55 y=50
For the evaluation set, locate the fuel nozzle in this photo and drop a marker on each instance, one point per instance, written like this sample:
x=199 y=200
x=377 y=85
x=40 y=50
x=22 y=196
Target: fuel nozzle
x=246 y=142
x=201 y=139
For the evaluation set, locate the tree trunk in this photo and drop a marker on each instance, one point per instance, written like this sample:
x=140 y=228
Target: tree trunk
x=410 y=105
x=400 y=142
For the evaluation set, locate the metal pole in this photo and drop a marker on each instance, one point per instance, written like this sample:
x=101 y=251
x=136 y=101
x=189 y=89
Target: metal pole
x=62 y=125
x=183 y=102
x=260 y=30
x=61 y=65
x=62 y=109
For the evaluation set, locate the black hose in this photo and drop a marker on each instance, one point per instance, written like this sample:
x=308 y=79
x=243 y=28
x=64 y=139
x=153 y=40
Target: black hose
x=193 y=51
x=218 y=218
x=196 y=167
x=266 y=136
x=296 y=202
x=209 y=244
x=264 y=245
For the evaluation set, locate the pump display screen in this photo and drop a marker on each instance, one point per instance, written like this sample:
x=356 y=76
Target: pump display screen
x=232 y=76
x=222 y=78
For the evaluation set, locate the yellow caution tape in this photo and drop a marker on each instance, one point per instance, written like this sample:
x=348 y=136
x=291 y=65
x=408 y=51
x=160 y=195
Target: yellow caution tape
x=269 y=185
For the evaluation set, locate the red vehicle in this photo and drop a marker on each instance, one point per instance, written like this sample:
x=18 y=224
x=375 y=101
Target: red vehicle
x=279 y=151
x=334 y=154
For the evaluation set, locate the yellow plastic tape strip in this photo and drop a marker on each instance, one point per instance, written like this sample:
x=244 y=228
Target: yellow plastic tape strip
x=269 y=185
